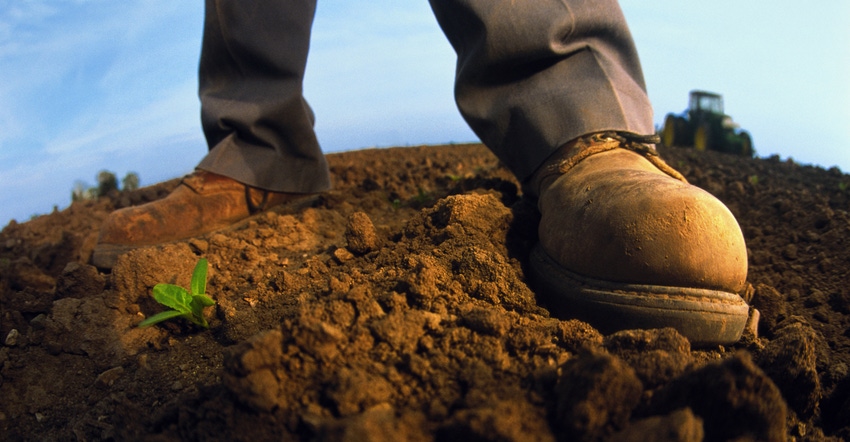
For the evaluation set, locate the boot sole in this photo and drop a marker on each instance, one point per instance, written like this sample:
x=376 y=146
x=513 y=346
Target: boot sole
x=705 y=317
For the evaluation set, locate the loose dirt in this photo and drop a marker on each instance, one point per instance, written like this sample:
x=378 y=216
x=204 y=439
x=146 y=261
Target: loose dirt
x=395 y=307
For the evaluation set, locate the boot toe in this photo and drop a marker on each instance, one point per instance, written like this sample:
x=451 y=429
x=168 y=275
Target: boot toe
x=202 y=203
x=643 y=227
x=623 y=245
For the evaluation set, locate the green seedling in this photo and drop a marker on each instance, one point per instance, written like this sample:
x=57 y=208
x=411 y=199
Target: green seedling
x=753 y=179
x=186 y=304
x=422 y=196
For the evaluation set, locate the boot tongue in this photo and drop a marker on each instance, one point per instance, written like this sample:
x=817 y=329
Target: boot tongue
x=570 y=154
x=564 y=159
x=196 y=180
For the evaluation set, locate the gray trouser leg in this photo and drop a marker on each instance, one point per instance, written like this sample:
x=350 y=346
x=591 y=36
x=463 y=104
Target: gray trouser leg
x=535 y=74
x=256 y=121
x=531 y=76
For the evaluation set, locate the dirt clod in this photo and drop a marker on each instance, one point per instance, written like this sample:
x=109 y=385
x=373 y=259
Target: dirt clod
x=79 y=280
x=678 y=426
x=734 y=398
x=360 y=234
x=596 y=395
x=790 y=361
x=251 y=371
x=657 y=356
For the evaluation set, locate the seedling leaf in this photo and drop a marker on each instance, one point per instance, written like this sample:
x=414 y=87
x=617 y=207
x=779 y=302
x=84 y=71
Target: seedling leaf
x=198 y=319
x=172 y=296
x=189 y=305
x=159 y=317
x=202 y=300
x=199 y=278
x=198 y=304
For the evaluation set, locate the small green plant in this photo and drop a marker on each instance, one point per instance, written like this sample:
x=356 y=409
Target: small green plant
x=422 y=196
x=753 y=179
x=842 y=186
x=187 y=304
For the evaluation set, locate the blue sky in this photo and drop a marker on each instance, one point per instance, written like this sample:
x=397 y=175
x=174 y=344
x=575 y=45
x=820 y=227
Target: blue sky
x=87 y=85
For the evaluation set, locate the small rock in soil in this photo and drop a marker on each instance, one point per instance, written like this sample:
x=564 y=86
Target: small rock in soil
x=39 y=321
x=108 y=377
x=12 y=337
x=343 y=255
x=360 y=234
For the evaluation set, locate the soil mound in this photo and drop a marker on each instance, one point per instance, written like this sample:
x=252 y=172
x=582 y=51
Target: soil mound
x=395 y=307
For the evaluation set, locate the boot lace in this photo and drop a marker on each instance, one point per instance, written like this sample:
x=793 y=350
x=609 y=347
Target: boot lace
x=604 y=141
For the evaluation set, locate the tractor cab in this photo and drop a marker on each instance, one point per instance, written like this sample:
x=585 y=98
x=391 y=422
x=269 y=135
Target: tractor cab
x=705 y=126
x=702 y=101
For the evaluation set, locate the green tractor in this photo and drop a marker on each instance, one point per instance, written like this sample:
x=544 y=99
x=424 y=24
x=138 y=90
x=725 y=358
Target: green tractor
x=704 y=126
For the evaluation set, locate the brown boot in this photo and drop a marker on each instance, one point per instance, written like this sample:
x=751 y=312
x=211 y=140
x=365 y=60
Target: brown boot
x=203 y=202
x=626 y=242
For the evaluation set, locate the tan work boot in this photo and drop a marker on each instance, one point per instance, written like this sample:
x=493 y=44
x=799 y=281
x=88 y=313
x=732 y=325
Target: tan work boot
x=626 y=242
x=202 y=203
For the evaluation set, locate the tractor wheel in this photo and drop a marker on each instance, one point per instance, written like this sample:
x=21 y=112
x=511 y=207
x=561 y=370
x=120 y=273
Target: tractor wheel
x=747 y=145
x=702 y=138
x=668 y=135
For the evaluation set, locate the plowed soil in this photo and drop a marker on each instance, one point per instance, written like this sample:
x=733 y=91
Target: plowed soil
x=395 y=307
